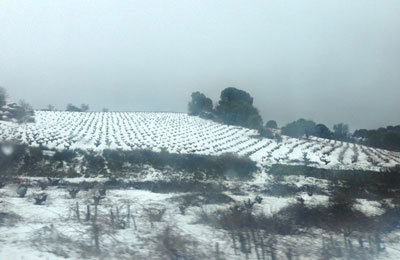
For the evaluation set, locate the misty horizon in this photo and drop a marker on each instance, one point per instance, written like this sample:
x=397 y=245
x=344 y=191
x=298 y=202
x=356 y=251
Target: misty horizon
x=329 y=62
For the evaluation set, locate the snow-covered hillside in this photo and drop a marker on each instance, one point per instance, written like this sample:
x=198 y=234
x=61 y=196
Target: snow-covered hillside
x=180 y=133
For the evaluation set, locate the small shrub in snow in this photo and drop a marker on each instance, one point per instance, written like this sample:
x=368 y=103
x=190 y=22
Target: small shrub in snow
x=117 y=221
x=40 y=198
x=43 y=185
x=8 y=219
x=21 y=191
x=155 y=215
x=174 y=245
x=73 y=192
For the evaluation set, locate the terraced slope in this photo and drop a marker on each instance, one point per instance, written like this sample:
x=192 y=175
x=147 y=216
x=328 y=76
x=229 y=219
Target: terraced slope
x=180 y=133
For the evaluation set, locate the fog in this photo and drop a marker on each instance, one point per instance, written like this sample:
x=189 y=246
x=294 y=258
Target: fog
x=330 y=61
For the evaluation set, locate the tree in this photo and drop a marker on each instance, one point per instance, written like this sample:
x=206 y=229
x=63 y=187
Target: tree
x=235 y=107
x=363 y=133
x=341 y=131
x=25 y=106
x=84 y=107
x=323 y=131
x=73 y=108
x=23 y=112
x=386 y=138
x=300 y=128
x=51 y=108
x=199 y=103
x=272 y=124
x=3 y=96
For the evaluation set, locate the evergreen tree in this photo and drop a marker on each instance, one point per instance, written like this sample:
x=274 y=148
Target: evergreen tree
x=236 y=108
x=199 y=103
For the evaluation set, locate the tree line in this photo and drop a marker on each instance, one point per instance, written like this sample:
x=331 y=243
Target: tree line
x=235 y=107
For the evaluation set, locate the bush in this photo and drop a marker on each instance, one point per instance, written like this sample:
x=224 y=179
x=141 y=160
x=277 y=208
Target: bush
x=233 y=165
x=21 y=159
x=212 y=166
x=173 y=245
x=64 y=155
x=242 y=217
x=95 y=164
x=366 y=184
x=265 y=132
x=114 y=158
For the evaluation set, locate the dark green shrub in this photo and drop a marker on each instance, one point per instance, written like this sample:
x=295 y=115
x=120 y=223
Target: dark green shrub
x=233 y=165
x=265 y=132
x=95 y=163
x=114 y=158
x=64 y=155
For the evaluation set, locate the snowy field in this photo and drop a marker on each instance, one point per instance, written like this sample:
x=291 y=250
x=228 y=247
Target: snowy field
x=130 y=223
x=154 y=213
x=180 y=133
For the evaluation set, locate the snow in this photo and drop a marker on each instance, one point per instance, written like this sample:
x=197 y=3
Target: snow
x=37 y=233
x=369 y=208
x=180 y=133
x=52 y=231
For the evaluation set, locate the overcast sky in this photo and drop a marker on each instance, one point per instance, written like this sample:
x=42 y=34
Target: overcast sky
x=330 y=61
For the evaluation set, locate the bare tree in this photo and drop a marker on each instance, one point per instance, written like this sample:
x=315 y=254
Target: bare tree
x=25 y=105
x=25 y=112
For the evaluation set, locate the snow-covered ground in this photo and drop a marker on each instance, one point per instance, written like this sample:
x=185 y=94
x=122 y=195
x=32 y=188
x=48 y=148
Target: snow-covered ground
x=136 y=222
x=180 y=133
x=152 y=220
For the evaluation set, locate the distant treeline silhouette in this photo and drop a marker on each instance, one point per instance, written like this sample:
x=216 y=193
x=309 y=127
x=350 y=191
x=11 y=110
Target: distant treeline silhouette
x=235 y=107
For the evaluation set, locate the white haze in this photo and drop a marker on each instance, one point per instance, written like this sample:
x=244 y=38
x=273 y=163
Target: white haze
x=330 y=61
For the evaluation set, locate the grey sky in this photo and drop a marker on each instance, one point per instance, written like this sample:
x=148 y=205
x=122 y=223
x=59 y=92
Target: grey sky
x=330 y=61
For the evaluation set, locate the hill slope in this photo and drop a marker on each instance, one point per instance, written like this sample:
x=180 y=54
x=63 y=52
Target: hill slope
x=180 y=133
